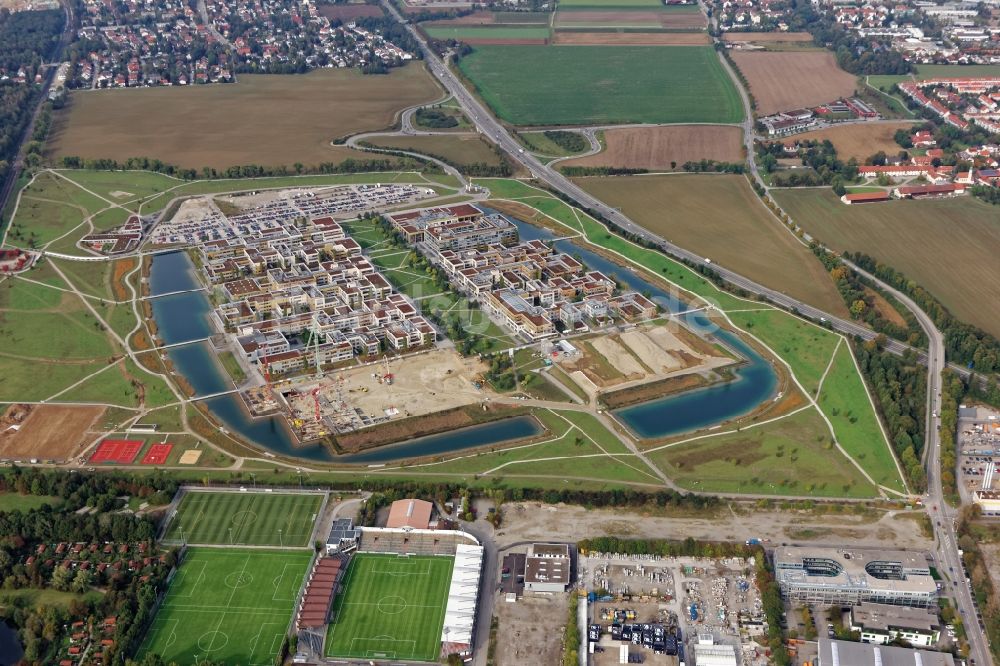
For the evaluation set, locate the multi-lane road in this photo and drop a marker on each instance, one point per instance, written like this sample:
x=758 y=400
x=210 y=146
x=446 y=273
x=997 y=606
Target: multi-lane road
x=941 y=516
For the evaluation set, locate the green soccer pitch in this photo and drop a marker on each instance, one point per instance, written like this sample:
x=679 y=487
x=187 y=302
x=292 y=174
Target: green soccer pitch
x=392 y=607
x=250 y=519
x=227 y=606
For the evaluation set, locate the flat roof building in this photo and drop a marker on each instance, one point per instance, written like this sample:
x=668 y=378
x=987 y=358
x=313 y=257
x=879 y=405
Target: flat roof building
x=413 y=513
x=547 y=567
x=343 y=536
x=846 y=653
x=881 y=624
x=839 y=576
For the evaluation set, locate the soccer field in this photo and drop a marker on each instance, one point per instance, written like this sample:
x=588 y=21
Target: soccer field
x=228 y=606
x=391 y=607
x=251 y=519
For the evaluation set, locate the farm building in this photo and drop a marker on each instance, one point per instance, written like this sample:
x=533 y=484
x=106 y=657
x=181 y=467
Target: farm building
x=865 y=197
x=929 y=191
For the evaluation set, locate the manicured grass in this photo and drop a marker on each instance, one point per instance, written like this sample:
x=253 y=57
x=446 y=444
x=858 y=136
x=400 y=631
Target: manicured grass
x=551 y=85
x=786 y=457
x=109 y=387
x=15 y=502
x=122 y=187
x=465 y=32
x=807 y=347
x=720 y=217
x=229 y=606
x=855 y=423
x=232 y=366
x=244 y=519
x=961 y=234
x=458 y=150
x=391 y=607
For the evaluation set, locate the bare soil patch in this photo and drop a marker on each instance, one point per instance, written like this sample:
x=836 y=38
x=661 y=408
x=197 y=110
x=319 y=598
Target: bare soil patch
x=47 y=432
x=765 y=37
x=631 y=38
x=611 y=17
x=885 y=308
x=481 y=17
x=530 y=630
x=502 y=41
x=786 y=80
x=263 y=119
x=665 y=148
x=857 y=140
x=347 y=13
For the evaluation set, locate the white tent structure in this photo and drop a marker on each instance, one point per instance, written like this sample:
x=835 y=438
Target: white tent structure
x=460 y=613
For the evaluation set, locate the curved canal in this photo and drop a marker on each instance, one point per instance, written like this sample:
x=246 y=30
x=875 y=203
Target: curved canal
x=183 y=318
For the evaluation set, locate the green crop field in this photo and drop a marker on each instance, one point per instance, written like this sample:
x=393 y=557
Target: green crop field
x=567 y=85
x=227 y=606
x=255 y=519
x=391 y=607
x=467 y=32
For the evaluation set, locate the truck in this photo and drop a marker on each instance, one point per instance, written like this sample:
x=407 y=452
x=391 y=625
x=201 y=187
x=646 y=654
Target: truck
x=753 y=541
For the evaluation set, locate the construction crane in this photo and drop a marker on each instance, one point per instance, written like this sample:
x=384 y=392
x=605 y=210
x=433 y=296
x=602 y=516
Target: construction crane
x=315 y=396
x=266 y=371
x=314 y=343
x=387 y=376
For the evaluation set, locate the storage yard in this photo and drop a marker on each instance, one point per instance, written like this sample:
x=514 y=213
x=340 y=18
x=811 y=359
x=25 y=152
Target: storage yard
x=978 y=455
x=659 y=607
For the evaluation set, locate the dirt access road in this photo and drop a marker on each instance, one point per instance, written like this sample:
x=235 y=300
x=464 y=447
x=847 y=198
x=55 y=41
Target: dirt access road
x=530 y=521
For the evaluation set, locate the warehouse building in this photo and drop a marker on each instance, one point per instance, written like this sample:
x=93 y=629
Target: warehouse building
x=846 y=653
x=881 y=624
x=839 y=576
x=547 y=567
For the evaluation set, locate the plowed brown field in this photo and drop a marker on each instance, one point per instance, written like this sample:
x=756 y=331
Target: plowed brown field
x=786 y=80
x=764 y=37
x=656 y=147
x=858 y=140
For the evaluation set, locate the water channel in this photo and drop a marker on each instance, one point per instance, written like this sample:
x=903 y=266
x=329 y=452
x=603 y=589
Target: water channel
x=183 y=318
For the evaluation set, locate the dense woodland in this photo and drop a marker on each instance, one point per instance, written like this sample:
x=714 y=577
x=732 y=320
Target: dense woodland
x=964 y=343
x=26 y=39
x=899 y=387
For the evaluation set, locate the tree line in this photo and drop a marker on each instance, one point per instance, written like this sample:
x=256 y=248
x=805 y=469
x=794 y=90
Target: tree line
x=964 y=343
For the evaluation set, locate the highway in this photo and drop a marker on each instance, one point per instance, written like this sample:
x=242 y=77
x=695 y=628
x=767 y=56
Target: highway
x=941 y=516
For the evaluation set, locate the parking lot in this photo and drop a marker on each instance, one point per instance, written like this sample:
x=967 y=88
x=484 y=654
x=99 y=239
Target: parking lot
x=978 y=451
x=687 y=596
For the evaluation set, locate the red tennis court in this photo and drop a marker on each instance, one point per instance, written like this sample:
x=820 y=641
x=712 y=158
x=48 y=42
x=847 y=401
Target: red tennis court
x=157 y=454
x=120 y=451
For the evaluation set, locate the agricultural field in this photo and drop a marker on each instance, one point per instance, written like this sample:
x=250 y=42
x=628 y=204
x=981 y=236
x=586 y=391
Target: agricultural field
x=347 y=12
x=786 y=80
x=961 y=234
x=578 y=38
x=636 y=18
x=623 y=5
x=391 y=606
x=551 y=85
x=955 y=71
x=228 y=605
x=246 y=519
x=491 y=34
x=55 y=432
x=858 y=140
x=721 y=218
x=790 y=456
x=263 y=119
x=458 y=150
x=665 y=148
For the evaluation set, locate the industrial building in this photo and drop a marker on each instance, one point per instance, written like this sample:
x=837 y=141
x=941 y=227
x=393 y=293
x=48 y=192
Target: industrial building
x=846 y=653
x=708 y=653
x=881 y=624
x=463 y=594
x=547 y=567
x=840 y=576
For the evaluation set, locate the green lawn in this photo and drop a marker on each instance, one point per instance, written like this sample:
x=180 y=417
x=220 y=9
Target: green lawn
x=487 y=32
x=786 y=457
x=956 y=71
x=391 y=607
x=16 y=502
x=228 y=606
x=537 y=142
x=244 y=519
x=855 y=423
x=29 y=380
x=122 y=187
x=552 y=85
x=22 y=295
x=806 y=347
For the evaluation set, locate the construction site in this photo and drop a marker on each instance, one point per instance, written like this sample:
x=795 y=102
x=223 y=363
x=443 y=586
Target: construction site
x=360 y=396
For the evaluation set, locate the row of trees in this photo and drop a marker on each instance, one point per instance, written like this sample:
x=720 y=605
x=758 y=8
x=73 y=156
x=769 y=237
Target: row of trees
x=964 y=343
x=819 y=156
x=899 y=386
x=860 y=296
